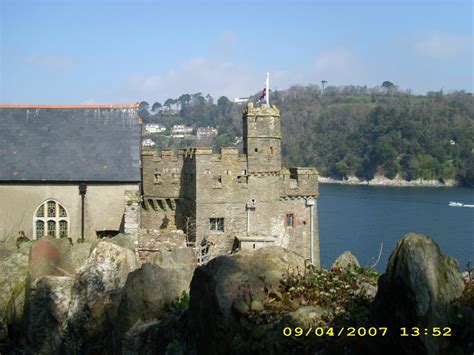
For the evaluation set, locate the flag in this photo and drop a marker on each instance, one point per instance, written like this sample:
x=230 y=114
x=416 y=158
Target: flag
x=263 y=95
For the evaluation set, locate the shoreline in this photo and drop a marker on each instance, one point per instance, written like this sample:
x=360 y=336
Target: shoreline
x=383 y=181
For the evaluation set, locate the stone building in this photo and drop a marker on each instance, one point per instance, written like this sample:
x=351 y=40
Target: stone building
x=69 y=171
x=233 y=200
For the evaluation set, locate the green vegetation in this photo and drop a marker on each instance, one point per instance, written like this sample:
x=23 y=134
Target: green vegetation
x=341 y=294
x=351 y=130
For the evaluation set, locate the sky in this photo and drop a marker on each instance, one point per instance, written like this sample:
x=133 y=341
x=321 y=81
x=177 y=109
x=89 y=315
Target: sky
x=104 y=51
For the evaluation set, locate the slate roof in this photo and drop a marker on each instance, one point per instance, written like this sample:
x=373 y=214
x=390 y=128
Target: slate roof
x=70 y=143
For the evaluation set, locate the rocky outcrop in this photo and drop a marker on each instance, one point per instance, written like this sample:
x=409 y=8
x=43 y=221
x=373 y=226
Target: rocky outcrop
x=417 y=290
x=384 y=181
x=346 y=261
x=146 y=293
x=148 y=319
x=229 y=285
x=48 y=300
x=95 y=297
x=13 y=275
x=50 y=256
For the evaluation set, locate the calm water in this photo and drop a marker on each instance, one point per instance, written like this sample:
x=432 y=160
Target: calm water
x=359 y=218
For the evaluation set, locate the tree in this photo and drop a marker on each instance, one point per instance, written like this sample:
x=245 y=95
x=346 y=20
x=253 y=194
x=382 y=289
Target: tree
x=388 y=86
x=184 y=100
x=143 y=105
x=210 y=100
x=323 y=82
x=156 y=107
x=168 y=103
x=143 y=110
x=224 y=104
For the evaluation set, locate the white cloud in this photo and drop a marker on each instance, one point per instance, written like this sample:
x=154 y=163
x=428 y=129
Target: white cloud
x=50 y=62
x=196 y=75
x=219 y=77
x=444 y=47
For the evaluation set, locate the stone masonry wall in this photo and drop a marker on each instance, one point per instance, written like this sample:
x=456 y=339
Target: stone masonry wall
x=262 y=138
x=194 y=187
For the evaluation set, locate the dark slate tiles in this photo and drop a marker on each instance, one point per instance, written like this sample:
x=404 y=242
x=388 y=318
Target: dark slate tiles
x=69 y=144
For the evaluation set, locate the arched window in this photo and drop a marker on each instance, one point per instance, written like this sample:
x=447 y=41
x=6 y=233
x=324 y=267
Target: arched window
x=51 y=219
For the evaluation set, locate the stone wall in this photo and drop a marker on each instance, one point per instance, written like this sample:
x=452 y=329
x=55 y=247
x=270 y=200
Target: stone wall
x=298 y=182
x=262 y=138
x=297 y=237
x=249 y=195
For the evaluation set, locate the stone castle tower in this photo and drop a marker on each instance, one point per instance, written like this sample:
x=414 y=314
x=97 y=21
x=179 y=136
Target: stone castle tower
x=262 y=139
x=234 y=200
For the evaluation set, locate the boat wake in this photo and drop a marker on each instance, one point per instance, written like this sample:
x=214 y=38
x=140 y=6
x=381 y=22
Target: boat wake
x=459 y=204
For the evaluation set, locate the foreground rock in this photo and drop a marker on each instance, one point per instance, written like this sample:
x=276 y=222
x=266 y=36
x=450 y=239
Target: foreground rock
x=13 y=275
x=417 y=290
x=48 y=300
x=146 y=293
x=50 y=256
x=229 y=285
x=346 y=261
x=94 y=299
x=144 y=316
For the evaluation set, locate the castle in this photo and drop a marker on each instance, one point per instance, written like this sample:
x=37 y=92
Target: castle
x=231 y=200
x=75 y=172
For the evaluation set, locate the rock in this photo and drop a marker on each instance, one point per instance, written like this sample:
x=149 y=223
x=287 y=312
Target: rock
x=306 y=317
x=346 y=261
x=367 y=289
x=76 y=255
x=219 y=287
x=146 y=293
x=46 y=259
x=256 y=306
x=46 y=313
x=170 y=259
x=181 y=260
x=95 y=298
x=13 y=275
x=123 y=240
x=416 y=291
x=50 y=256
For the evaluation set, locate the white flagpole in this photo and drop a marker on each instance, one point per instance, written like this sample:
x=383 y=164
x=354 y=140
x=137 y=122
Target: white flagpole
x=267 y=91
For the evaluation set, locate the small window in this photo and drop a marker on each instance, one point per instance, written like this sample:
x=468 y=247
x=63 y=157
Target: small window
x=216 y=224
x=256 y=150
x=51 y=219
x=40 y=212
x=62 y=229
x=51 y=209
x=62 y=211
x=290 y=218
x=51 y=228
x=39 y=229
x=157 y=179
x=217 y=181
x=175 y=177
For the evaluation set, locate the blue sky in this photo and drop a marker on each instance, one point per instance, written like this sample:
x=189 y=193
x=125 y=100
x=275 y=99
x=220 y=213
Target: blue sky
x=57 y=52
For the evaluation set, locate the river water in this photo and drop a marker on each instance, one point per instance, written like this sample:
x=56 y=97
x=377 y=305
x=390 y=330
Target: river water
x=360 y=218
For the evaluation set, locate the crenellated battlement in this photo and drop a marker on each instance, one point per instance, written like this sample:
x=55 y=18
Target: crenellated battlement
x=299 y=181
x=228 y=197
x=262 y=110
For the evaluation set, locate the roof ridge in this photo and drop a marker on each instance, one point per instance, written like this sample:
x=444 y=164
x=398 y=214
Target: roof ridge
x=133 y=106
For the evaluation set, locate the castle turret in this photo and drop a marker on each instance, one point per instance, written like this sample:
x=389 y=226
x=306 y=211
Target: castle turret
x=262 y=138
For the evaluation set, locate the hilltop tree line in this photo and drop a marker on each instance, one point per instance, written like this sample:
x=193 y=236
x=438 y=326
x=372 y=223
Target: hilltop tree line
x=351 y=130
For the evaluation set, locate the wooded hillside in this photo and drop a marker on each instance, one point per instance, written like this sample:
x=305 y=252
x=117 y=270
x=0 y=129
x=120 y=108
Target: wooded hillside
x=349 y=131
